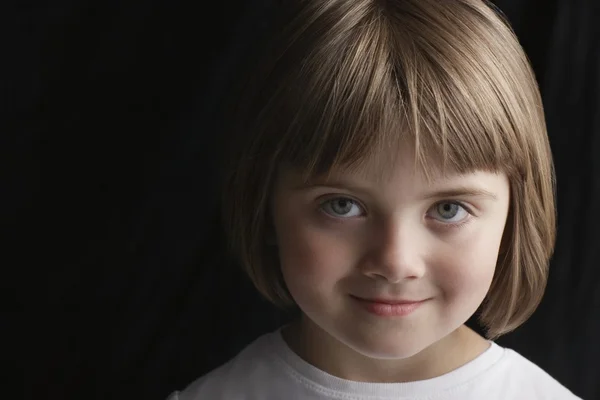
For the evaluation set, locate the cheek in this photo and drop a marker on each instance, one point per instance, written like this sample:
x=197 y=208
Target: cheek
x=466 y=268
x=312 y=259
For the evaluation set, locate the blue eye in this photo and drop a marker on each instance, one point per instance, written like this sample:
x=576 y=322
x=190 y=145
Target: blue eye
x=449 y=212
x=342 y=207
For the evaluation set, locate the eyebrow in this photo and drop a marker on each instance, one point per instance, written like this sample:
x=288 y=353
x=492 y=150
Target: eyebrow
x=462 y=191
x=331 y=184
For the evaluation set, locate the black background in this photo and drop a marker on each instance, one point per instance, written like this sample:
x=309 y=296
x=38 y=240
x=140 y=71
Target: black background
x=114 y=280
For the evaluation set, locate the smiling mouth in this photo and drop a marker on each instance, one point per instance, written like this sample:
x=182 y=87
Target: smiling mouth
x=389 y=307
x=389 y=301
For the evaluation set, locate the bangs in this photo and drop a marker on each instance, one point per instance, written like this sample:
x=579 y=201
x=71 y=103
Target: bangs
x=391 y=78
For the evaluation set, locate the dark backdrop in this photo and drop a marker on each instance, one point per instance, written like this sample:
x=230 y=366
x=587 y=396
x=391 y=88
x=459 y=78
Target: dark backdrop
x=114 y=280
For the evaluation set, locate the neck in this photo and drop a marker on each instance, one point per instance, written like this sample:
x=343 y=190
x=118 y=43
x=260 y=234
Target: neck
x=326 y=353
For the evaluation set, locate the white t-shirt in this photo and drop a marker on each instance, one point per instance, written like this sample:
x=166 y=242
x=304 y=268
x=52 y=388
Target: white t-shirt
x=269 y=370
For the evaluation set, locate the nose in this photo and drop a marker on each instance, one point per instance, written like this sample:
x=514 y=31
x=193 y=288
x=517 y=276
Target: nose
x=397 y=253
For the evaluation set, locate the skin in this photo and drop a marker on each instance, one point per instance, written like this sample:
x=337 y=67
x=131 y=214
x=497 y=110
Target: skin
x=387 y=232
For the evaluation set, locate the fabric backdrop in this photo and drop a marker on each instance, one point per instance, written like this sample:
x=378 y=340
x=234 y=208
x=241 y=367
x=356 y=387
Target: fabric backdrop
x=116 y=283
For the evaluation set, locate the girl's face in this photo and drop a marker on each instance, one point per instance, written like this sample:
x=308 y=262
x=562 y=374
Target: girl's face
x=385 y=263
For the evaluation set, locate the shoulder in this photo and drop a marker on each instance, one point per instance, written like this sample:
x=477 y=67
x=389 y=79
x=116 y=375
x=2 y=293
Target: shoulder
x=251 y=366
x=520 y=376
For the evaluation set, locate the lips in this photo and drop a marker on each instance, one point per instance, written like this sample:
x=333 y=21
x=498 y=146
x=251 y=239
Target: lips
x=388 y=301
x=391 y=301
x=385 y=307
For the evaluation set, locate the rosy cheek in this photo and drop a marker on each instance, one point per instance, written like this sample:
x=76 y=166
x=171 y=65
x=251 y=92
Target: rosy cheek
x=313 y=256
x=466 y=267
x=307 y=252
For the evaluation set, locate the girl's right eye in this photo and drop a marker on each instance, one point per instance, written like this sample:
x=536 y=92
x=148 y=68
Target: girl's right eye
x=342 y=207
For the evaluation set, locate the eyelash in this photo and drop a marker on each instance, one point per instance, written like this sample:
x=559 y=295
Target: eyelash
x=454 y=225
x=332 y=199
x=441 y=225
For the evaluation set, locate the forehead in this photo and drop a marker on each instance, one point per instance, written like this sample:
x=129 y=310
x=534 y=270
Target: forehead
x=379 y=166
x=391 y=167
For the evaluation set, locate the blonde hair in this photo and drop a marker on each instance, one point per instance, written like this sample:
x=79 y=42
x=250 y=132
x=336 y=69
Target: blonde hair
x=345 y=79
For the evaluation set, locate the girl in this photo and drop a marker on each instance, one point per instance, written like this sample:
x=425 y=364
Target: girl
x=392 y=178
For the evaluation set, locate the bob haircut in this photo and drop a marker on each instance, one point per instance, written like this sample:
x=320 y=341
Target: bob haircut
x=344 y=80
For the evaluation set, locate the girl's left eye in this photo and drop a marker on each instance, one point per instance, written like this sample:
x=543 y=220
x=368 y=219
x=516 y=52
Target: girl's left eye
x=342 y=207
x=449 y=212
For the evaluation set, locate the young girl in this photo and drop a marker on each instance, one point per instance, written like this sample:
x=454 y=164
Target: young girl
x=392 y=179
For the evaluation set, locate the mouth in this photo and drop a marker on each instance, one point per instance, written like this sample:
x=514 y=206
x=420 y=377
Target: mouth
x=385 y=307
